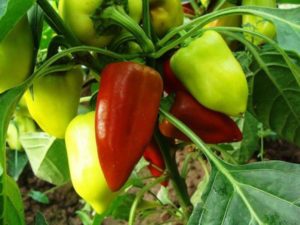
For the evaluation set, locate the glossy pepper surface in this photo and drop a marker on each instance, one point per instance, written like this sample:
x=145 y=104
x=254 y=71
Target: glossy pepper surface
x=211 y=73
x=258 y=24
x=78 y=14
x=16 y=55
x=126 y=111
x=156 y=162
x=212 y=127
x=86 y=174
x=55 y=100
x=165 y=15
x=171 y=83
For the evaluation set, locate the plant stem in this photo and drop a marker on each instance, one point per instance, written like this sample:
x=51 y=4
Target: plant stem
x=139 y=196
x=55 y=21
x=177 y=181
x=119 y=16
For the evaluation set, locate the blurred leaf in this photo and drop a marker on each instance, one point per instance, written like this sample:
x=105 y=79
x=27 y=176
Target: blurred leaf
x=39 y=197
x=11 y=12
x=40 y=219
x=16 y=162
x=14 y=213
x=275 y=96
x=47 y=157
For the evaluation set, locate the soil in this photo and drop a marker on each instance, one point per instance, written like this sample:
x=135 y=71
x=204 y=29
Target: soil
x=64 y=202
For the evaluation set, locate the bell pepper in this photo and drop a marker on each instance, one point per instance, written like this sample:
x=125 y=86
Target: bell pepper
x=156 y=165
x=86 y=174
x=171 y=83
x=55 y=99
x=226 y=21
x=211 y=73
x=16 y=55
x=258 y=24
x=165 y=15
x=79 y=16
x=212 y=127
x=126 y=111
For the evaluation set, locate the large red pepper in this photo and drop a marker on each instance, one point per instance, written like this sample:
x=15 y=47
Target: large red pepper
x=126 y=111
x=211 y=126
x=156 y=162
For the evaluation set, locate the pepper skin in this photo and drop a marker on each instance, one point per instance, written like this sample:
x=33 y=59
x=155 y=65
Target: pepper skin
x=258 y=24
x=77 y=14
x=212 y=127
x=165 y=14
x=16 y=55
x=226 y=21
x=55 y=100
x=171 y=83
x=211 y=73
x=126 y=111
x=156 y=165
x=86 y=174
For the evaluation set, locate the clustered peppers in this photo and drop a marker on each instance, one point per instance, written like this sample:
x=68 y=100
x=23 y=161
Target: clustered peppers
x=211 y=126
x=211 y=73
x=126 y=111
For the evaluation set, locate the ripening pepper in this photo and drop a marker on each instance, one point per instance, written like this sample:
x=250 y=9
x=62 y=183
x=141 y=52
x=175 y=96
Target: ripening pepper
x=165 y=15
x=55 y=99
x=211 y=126
x=78 y=16
x=226 y=21
x=126 y=111
x=16 y=55
x=171 y=83
x=156 y=165
x=211 y=73
x=258 y=24
x=86 y=174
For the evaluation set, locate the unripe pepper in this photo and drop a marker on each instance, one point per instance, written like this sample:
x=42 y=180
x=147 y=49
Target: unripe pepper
x=258 y=24
x=55 y=100
x=212 y=127
x=156 y=165
x=211 y=73
x=126 y=111
x=16 y=55
x=78 y=16
x=86 y=174
x=165 y=14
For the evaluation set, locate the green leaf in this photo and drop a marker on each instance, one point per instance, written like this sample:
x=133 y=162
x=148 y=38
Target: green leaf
x=275 y=97
x=11 y=12
x=47 y=157
x=39 y=196
x=16 y=162
x=287 y=22
x=14 y=210
x=40 y=219
x=258 y=193
x=249 y=145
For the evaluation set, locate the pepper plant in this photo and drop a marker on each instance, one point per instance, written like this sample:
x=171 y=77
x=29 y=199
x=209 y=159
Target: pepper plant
x=110 y=82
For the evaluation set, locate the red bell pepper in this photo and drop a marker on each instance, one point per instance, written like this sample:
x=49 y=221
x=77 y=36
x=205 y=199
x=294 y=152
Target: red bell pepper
x=156 y=162
x=211 y=126
x=171 y=83
x=126 y=112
